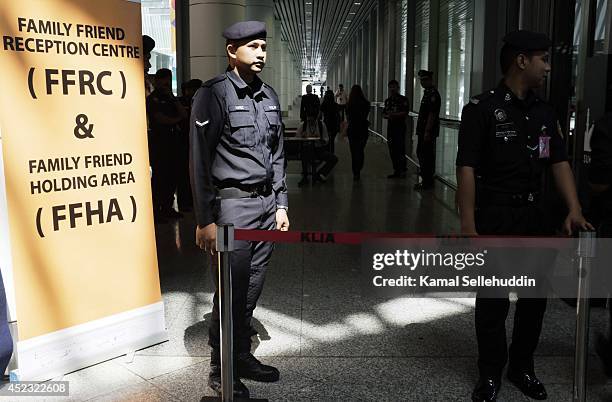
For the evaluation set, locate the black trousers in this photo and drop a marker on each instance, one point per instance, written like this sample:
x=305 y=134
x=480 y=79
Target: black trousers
x=396 y=140
x=491 y=313
x=163 y=154
x=332 y=141
x=357 y=143
x=426 y=152
x=249 y=262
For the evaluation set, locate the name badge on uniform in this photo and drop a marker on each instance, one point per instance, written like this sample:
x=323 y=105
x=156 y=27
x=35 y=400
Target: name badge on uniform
x=544 y=144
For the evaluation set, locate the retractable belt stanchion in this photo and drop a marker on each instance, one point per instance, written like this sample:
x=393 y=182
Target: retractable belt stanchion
x=586 y=253
x=225 y=245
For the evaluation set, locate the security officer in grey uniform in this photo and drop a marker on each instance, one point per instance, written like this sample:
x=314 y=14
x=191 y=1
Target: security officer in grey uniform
x=507 y=138
x=237 y=166
x=427 y=130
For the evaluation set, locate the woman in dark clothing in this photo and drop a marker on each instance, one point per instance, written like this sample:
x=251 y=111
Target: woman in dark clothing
x=331 y=117
x=357 y=110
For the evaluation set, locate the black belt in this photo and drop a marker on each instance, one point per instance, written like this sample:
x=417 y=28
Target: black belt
x=245 y=191
x=488 y=198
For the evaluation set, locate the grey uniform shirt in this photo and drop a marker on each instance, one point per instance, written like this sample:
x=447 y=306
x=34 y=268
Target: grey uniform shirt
x=236 y=139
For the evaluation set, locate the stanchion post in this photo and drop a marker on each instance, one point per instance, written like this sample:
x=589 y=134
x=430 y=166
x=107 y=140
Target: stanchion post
x=586 y=253
x=225 y=244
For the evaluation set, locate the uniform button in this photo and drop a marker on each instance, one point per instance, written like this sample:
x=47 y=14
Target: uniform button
x=526 y=117
x=528 y=137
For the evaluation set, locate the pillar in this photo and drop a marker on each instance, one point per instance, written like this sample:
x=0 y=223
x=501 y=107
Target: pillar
x=263 y=10
x=207 y=21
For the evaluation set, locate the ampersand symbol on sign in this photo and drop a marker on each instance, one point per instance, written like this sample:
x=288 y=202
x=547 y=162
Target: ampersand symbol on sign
x=81 y=130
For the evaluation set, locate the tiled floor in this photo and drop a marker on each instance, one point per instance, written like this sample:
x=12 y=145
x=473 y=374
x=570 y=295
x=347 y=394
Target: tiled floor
x=330 y=341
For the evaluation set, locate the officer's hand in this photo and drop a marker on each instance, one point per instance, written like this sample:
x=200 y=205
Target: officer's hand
x=282 y=220
x=575 y=221
x=206 y=238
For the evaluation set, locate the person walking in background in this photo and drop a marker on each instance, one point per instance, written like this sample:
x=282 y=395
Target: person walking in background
x=310 y=105
x=395 y=111
x=331 y=118
x=341 y=100
x=357 y=110
x=428 y=128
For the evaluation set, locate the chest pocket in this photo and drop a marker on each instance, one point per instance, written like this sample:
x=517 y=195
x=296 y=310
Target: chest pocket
x=242 y=126
x=274 y=121
x=508 y=145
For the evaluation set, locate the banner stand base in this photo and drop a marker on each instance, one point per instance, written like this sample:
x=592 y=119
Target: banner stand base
x=218 y=399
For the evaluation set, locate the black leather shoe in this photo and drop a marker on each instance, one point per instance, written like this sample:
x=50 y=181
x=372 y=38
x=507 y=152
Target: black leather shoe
x=251 y=368
x=214 y=382
x=486 y=390
x=528 y=384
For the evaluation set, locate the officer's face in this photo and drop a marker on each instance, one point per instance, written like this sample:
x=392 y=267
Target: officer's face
x=250 y=56
x=393 y=89
x=536 y=68
x=426 y=82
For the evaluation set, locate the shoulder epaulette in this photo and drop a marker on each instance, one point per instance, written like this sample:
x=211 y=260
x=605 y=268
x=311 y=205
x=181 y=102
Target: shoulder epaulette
x=483 y=96
x=271 y=89
x=213 y=81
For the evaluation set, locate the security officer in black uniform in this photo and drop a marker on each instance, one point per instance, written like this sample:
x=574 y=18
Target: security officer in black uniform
x=395 y=111
x=165 y=114
x=428 y=129
x=238 y=176
x=507 y=138
x=600 y=213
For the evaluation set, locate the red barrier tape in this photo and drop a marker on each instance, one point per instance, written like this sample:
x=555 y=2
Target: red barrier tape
x=319 y=237
x=357 y=238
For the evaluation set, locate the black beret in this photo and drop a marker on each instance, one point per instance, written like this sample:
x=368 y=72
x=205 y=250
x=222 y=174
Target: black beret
x=245 y=30
x=147 y=44
x=425 y=74
x=527 y=40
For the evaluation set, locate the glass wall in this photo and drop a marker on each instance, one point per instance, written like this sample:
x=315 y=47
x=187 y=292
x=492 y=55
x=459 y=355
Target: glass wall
x=455 y=57
x=421 y=48
x=158 y=21
x=403 y=27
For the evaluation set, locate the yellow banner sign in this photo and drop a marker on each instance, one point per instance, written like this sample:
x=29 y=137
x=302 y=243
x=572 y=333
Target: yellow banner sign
x=72 y=118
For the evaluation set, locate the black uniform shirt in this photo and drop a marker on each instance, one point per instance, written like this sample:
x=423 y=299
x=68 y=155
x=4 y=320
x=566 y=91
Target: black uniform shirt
x=430 y=103
x=396 y=104
x=159 y=102
x=600 y=170
x=499 y=137
x=236 y=140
